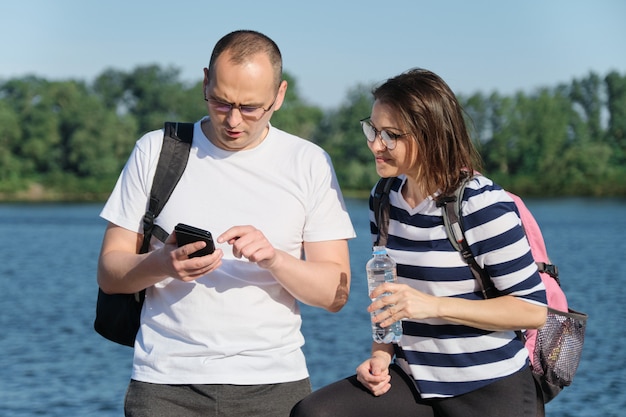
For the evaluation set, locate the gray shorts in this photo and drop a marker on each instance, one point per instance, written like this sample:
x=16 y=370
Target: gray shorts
x=159 y=400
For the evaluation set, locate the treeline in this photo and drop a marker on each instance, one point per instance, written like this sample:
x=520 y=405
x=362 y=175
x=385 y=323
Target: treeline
x=70 y=139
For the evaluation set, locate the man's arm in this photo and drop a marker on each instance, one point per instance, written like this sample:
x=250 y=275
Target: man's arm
x=326 y=282
x=321 y=280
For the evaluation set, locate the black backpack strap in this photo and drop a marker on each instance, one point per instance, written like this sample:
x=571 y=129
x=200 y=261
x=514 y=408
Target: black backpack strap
x=173 y=159
x=380 y=206
x=549 y=269
x=452 y=220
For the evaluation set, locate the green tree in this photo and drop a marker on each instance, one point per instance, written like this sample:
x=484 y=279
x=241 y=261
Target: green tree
x=545 y=140
x=10 y=139
x=341 y=135
x=40 y=139
x=586 y=97
x=529 y=134
x=151 y=94
x=477 y=109
x=190 y=105
x=110 y=87
x=496 y=149
x=296 y=116
x=95 y=138
x=74 y=138
x=616 y=103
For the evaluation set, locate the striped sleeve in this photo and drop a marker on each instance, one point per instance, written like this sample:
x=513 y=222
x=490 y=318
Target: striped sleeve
x=496 y=237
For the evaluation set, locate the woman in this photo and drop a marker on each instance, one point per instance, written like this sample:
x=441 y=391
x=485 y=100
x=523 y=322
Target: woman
x=459 y=354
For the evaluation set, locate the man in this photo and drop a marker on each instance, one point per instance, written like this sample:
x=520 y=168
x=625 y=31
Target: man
x=220 y=334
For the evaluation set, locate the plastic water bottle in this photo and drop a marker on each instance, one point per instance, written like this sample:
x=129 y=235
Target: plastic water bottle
x=381 y=268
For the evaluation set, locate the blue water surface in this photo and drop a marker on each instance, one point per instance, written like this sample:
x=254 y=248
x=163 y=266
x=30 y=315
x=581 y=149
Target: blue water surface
x=54 y=364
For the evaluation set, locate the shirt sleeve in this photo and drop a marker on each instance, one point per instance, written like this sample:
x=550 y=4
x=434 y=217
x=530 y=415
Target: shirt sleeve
x=494 y=231
x=128 y=201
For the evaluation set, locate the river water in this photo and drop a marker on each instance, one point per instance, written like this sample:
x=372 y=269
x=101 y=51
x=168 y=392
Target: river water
x=53 y=364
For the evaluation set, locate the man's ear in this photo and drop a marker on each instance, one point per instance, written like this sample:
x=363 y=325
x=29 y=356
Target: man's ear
x=205 y=84
x=280 y=96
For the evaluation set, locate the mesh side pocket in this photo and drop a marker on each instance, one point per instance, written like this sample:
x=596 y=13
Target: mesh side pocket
x=559 y=346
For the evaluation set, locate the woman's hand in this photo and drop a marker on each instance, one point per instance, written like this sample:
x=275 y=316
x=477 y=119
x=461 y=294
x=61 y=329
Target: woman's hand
x=373 y=374
x=403 y=302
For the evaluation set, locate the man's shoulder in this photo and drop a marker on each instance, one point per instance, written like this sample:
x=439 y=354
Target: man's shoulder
x=294 y=143
x=151 y=141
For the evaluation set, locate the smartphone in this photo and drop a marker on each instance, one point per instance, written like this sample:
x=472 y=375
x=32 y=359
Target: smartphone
x=188 y=234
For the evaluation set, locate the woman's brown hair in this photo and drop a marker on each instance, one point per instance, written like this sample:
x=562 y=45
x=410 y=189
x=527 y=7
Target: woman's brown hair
x=432 y=114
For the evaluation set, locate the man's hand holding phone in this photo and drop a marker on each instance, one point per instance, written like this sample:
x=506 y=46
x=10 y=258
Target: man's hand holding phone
x=186 y=234
x=189 y=263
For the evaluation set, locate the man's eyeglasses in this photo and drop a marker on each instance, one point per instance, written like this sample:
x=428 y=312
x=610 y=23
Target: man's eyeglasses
x=389 y=139
x=249 y=112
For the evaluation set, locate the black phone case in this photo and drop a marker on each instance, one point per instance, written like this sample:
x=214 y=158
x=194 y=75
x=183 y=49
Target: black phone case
x=188 y=234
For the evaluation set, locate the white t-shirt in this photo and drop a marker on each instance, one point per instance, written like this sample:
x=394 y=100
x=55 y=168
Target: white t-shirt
x=236 y=325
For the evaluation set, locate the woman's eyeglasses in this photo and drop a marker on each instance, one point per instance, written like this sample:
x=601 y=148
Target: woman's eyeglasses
x=388 y=139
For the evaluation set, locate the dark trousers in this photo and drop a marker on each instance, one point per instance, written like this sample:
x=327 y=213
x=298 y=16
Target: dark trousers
x=514 y=396
x=159 y=400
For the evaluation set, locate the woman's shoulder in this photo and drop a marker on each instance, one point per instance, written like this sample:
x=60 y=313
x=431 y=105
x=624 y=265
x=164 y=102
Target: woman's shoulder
x=482 y=194
x=483 y=187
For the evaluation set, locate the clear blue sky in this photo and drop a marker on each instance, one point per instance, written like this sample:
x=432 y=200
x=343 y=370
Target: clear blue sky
x=328 y=46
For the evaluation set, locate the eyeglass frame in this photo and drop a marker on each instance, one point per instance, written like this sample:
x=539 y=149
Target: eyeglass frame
x=215 y=102
x=389 y=139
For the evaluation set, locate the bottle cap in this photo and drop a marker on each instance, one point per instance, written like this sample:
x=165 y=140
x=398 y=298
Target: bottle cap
x=379 y=250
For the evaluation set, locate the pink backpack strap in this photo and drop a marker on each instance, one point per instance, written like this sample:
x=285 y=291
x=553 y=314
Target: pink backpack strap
x=556 y=297
x=533 y=233
x=554 y=293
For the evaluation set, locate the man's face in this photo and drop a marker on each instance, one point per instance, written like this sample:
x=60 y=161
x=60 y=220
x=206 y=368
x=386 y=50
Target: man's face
x=241 y=100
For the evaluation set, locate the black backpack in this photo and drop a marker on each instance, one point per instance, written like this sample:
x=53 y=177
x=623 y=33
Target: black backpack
x=118 y=315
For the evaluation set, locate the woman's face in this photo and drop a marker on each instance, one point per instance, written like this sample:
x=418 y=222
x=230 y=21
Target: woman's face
x=402 y=158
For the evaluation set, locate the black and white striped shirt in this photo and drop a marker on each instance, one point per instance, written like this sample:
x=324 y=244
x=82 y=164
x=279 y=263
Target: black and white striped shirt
x=448 y=359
